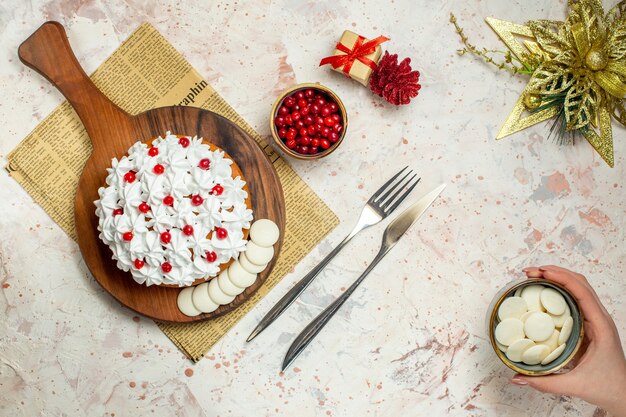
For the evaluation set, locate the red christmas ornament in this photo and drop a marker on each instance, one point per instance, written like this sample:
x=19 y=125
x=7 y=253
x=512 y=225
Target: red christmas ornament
x=396 y=83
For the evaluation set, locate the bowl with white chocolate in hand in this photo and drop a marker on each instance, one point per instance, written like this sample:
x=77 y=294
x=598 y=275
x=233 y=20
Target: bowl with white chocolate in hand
x=535 y=326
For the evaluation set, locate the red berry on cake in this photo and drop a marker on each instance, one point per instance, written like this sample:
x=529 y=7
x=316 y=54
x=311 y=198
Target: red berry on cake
x=118 y=211
x=221 y=232
x=144 y=207
x=184 y=142
x=166 y=237
x=196 y=200
x=168 y=200
x=158 y=169
x=139 y=263
x=217 y=190
x=188 y=230
x=153 y=151
x=211 y=256
x=130 y=177
x=204 y=163
x=166 y=267
x=127 y=236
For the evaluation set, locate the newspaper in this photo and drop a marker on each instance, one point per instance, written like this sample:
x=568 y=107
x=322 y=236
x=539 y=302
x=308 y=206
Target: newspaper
x=48 y=162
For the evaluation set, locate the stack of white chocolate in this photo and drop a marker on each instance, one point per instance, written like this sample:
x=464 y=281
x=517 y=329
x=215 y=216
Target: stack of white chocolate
x=529 y=325
x=208 y=296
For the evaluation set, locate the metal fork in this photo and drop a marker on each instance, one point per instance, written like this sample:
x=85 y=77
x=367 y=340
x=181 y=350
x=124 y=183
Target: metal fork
x=380 y=205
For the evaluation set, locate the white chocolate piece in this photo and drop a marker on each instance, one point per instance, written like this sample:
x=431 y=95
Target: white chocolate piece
x=217 y=295
x=535 y=354
x=249 y=266
x=532 y=295
x=553 y=355
x=264 y=232
x=553 y=301
x=512 y=307
x=566 y=330
x=227 y=286
x=517 y=349
x=259 y=255
x=553 y=341
x=509 y=331
x=239 y=276
x=201 y=299
x=559 y=320
x=185 y=303
x=539 y=327
x=525 y=316
x=501 y=347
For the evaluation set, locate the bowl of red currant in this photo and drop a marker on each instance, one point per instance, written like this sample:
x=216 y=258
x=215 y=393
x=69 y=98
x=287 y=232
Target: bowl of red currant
x=308 y=121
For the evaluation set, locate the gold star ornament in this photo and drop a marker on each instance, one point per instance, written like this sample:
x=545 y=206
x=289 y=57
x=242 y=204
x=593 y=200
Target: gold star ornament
x=577 y=72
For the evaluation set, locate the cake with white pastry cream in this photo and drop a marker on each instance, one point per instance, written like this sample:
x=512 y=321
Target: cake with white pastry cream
x=174 y=211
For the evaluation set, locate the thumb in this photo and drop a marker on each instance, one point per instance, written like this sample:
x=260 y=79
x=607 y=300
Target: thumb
x=562 y=384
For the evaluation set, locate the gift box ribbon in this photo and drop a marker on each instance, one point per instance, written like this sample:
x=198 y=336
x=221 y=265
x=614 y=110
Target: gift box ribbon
x=358 y=51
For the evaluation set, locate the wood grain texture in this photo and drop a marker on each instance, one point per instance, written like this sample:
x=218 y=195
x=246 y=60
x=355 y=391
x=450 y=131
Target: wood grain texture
x=112 y=132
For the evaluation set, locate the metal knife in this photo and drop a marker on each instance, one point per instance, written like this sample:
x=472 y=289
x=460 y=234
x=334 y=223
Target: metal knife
x=394 y=231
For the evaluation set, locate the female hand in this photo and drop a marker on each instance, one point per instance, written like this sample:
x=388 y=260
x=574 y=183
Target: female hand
x=599 y=373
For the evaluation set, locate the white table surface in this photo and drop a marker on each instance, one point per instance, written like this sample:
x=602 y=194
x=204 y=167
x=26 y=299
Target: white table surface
x=411 y=341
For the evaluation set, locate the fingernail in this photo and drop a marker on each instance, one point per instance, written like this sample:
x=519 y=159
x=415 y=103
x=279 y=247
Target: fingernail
x=542 y=269
x=518 y=381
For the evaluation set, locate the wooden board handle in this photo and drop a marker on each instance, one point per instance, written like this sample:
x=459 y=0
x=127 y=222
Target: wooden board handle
x=48 y=52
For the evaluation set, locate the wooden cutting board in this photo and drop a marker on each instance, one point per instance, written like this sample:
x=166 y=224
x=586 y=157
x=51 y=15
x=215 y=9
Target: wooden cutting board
x=112 y=131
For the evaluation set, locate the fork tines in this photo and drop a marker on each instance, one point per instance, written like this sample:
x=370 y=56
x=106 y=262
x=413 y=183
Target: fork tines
x=388 y=202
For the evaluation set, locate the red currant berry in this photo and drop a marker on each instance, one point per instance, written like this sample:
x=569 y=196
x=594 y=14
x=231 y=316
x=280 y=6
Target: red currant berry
x=315 y=109
x=184 y=142
x=325 y=143
x=188 y=230
x=290 y=143
x=130 y=177
x=312 y=150
x=291 y=134
x=196 y=200
x=217 y=189
x=118 y=211
x=303 y=103
x=308 y=120
x=305 y=110
x=211 y=256
x=303 y=131
x=168 y=200
x=295 y=116
x=319 y=120
x=166 y=237
x=299 y=95
x=283 y=110
x=204 y=163
x=279 y=121
x=338 y=128
x=320 y=102
x=315 y=142
x=139 y=263
x=166 y=267
x=296 y=108
x=288 y=120
x=158 y=169
x=282 y=133
x=325 y=111
x=336 y=118
x=325 y=131
x=221 y=233
x=128 y=236
x=153 y=151
x=144 y=207
x=304 y=149
x=329 y=121
x=299 y=124
x=309 y=93
x=311 y=130
x=289 y=102
x=333 y=137
x=304 y=140
x=333 y=107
